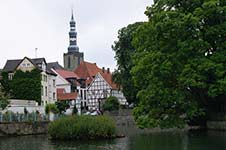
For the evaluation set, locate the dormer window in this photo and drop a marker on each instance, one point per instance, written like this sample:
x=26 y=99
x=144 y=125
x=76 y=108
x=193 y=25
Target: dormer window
x=43 y=66
x=10 y=76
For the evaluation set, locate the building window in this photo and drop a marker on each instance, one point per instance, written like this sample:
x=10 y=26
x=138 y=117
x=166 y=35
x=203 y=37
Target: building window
x=84 y=94
x=10 y=76
x=54 y=83
x=69 y=62
x=46 y=91
x=54 y=95
x=81 y=94
x=44 y=78
x=28 y=65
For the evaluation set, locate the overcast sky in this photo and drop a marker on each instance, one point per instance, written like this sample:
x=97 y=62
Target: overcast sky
x=44 y=24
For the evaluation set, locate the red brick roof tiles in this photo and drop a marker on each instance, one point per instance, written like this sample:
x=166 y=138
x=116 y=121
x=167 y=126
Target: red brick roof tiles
x=66 y=74
x=108 y=78
x=88 y=71
x=67 y=96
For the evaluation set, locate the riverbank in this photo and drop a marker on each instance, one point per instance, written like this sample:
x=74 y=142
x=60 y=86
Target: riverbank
x=123 y=119
x=23 y=128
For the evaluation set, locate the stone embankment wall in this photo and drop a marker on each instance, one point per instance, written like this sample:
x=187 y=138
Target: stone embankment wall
x=23 y=128
x=123 y=118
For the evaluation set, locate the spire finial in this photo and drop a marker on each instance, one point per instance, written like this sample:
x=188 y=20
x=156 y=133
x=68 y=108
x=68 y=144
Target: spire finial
x=72 y=14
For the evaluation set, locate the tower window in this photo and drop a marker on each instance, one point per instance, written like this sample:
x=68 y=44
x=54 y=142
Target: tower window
x=69 y=62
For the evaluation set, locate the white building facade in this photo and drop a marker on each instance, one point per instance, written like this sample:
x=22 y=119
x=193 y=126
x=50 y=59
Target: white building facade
x=99 y=90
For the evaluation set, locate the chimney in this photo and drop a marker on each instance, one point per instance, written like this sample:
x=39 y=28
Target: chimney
x=103 y=69
x=108 y=70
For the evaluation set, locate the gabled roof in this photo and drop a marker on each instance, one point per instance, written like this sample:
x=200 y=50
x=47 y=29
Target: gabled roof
x=11 y=65
x=87 y=71
x=66 y=74
x=54 y=65
x=38 y=60
x=108 y=78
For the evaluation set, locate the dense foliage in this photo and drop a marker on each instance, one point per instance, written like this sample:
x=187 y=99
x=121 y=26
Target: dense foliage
x=24 y=85
x=3 y=98
x=51 y=108
x=124 y=51
x=62 y=106
x=111 y=104
x=180 y=61
x=82 y=127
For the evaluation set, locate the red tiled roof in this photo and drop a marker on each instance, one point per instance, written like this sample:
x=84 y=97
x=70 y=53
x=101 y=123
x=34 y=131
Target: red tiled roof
x=66 y=74
x=87 y=71
x=67 y=96
x=108 y=78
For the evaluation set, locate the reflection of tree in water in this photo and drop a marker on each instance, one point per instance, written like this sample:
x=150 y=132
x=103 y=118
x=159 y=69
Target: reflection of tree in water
x=155 y=141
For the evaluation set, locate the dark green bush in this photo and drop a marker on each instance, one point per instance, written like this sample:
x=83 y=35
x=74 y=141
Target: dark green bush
x=111 y=103
x=82 y=127
x=62 y=106
x=51 y=108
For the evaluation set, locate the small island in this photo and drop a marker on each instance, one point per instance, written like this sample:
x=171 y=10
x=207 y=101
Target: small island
x=82 y=127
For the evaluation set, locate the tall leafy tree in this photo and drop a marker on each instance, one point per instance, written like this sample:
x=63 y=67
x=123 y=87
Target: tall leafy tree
x=180 y=62
x=124 y=51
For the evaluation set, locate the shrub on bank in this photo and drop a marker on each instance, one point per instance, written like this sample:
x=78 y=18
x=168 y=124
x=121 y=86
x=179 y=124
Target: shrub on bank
x=51 y=108
x=82 y=127
x=111 y=104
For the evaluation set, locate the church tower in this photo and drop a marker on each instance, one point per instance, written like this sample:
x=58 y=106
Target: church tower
x=73 y=57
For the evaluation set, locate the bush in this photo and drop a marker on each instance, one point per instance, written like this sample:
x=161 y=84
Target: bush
x=51 y=108
x=62 y=106
x=82 y=127
x=111 y=103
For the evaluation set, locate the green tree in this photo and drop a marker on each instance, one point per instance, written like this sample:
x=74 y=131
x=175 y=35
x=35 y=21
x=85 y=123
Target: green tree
x=62 y=106
x=124 y=51
x=51 y=108
x=111 y=103
x=4 y=99
x=180 y=62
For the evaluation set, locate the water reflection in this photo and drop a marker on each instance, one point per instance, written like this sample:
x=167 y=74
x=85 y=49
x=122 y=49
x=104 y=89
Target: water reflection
x=135 y=141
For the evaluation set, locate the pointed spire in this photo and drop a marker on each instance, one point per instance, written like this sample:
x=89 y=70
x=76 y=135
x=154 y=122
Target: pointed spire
x=72 y=14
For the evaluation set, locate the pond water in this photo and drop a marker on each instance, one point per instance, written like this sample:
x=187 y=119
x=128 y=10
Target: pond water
x=139 y=141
